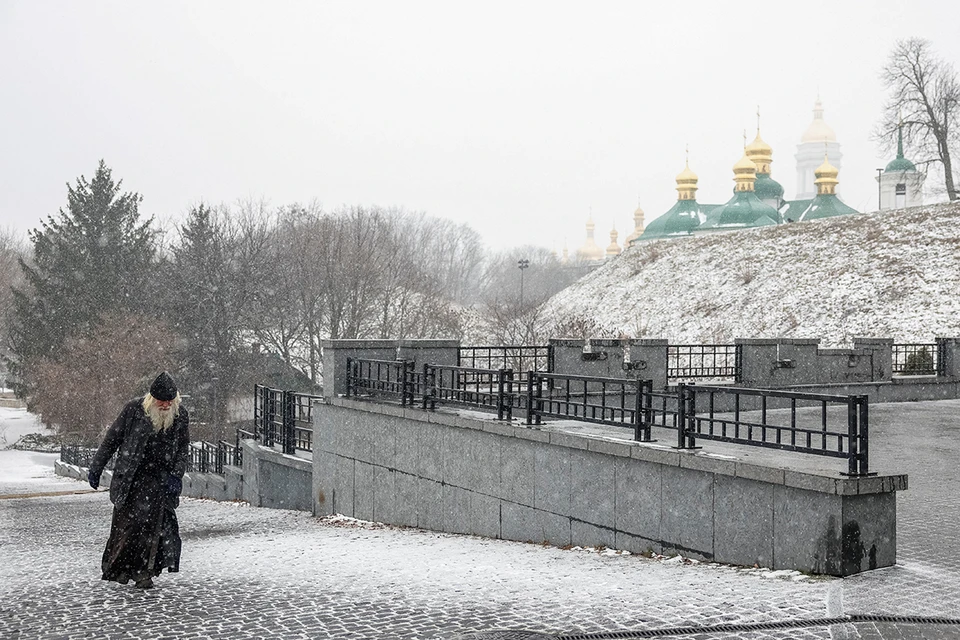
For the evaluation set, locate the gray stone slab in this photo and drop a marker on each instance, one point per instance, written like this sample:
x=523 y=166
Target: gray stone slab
x=385 y=495
x=343 y=486
x=638 y=498
x=869 y=532
x=807 y=526
x=363 y=496
x=484 y=515
x=552 y=479
x=743 y=521
x=408 y=446
x=608 y=447
x=592 y=488
x=456 y=509
x=384 y=441
x=687 y=511
x=430 y=504
x=407 y=496
x=517 y=473
x=521 y=523
x=637 y=544
x=430 y=452
x=585 y=534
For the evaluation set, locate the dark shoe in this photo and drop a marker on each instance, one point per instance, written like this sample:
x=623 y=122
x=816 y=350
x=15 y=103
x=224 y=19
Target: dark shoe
x=146 y=583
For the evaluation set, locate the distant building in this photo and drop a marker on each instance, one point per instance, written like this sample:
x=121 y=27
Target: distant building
x=590 y=251
x=758 y=199
x=809 y=156
x=901 y=185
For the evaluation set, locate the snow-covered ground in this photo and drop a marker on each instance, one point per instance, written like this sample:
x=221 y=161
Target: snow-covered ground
x=24 y=472
x=892 y=274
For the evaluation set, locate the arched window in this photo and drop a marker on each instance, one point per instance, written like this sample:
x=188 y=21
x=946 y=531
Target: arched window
x=901 y=199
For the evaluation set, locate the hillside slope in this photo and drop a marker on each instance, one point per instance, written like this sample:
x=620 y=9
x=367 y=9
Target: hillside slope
x=883 y=274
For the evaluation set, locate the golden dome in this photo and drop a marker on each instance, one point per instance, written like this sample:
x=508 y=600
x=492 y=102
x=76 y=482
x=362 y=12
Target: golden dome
x=590 y=250
x=826 y=175
x=638 y=226
x=613 y=249
x=744 y=173
x=818 y=131
x=760 y=153
x=687 y=184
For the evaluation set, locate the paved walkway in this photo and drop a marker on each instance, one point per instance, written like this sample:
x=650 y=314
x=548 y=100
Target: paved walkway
x=257 y=573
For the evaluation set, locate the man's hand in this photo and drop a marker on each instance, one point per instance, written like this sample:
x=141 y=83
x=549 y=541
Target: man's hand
x=174 y=485
x=93 y=479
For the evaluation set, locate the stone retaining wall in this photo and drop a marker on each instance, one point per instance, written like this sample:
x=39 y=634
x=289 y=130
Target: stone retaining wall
x=447 y=472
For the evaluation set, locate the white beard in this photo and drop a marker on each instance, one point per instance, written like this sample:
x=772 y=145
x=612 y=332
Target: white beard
x=161 y=419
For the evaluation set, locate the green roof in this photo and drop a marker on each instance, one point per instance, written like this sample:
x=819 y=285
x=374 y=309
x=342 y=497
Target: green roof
x=900 y=164
x=743 y=211
x=826 y=206
x=795 y=209
x=767 y=188
x=680 y=220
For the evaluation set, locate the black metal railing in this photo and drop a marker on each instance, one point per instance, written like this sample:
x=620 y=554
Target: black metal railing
x=80 y=454
x=611 y=401
x=283 y=418
x=386 y=378
x=687 y=362
x=520 y=359
x=469 y=387
x=818 y=424
x=917 y=359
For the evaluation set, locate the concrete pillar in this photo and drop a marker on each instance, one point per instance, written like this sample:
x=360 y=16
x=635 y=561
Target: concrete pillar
x=760 y=363
x=601 y=358
x=949 y=349
x=648 y=360
x=336 y=352
x=443 y=352
x=881 y=352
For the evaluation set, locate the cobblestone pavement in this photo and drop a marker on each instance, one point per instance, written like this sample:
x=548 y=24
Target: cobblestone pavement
x=257 y=573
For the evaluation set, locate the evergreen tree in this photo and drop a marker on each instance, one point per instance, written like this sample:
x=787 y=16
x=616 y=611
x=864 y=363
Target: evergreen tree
x=96 y=257
x=212 y=276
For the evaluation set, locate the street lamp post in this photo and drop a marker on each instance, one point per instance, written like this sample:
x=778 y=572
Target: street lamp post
x=879 y=189
x=214 y=414
x=522 y=264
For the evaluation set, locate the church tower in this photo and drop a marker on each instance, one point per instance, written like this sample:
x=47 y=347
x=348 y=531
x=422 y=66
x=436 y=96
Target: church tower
x=810 y=152
x=613 y=249
x=901 y=185
x=768 y=190
x=590 y=251
x=637 y=227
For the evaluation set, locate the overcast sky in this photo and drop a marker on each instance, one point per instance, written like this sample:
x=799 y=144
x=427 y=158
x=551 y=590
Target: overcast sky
x=518 y=118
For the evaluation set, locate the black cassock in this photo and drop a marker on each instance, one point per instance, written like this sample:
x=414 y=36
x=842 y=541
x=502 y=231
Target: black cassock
x=144 y=536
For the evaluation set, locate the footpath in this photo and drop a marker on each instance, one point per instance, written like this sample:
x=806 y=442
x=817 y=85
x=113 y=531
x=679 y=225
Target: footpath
x=258 y=573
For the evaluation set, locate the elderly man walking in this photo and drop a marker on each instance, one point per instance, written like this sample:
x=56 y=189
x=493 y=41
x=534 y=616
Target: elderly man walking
x=151 y=437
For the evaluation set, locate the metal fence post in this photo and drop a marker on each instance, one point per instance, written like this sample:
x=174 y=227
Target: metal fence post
x=681 y=414
x=853 y=436
x=429 y=387
x=349 y=375
x=289 y=422
x=530 y=377
x=408 y=386
x=500 y=375
x=864 y=436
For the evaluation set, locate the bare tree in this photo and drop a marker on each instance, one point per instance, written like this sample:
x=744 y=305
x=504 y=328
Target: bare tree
x=925 y=100
x=13 y=248
x=83 y=389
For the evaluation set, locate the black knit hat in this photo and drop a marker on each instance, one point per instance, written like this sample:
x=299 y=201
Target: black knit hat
x=163 y=388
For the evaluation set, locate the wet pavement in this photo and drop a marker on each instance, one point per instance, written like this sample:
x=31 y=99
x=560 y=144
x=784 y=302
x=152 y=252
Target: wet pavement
x=257 y=573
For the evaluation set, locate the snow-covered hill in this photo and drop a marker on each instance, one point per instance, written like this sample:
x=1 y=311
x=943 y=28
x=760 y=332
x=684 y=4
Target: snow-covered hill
x=889 y=274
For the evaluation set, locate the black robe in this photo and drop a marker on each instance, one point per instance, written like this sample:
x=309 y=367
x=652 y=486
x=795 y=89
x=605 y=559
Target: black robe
x=144 y=534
